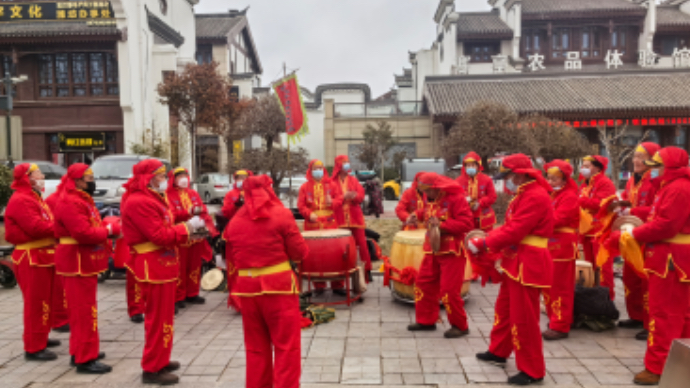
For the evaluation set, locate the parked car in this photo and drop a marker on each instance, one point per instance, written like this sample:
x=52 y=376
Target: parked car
x=52 y=172
x=213 y=187
x=113 y=171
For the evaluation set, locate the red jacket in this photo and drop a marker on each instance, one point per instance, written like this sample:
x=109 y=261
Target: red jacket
x=348 y=213
x=481 y=189
x=529 y=223
x=410 y=202
x=312 y=199
x=641 y=195
x=566 y=212
x=84 y=248
x=592 y=192
x=149 y=229
x=229 y=209
x=29 y=219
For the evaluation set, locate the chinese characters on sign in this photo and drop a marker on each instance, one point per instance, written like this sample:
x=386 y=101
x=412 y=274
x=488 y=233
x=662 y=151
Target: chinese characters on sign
x=613 y=58
x=648 y=58
x=573 y=61
x=681 y=58
x=536 y=62
x=87 y=141
x=73 y=10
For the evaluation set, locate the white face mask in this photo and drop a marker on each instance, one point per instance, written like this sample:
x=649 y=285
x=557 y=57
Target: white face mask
x=239 y=184
x=183 y=183
x=162 y=187
x=40 y=185
x=586 y=172
x=511 y=186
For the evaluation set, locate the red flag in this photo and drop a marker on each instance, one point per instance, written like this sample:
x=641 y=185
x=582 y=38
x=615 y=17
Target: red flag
x=289 y=94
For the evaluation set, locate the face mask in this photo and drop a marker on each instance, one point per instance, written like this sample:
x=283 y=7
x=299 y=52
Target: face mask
x=239 y=184
x=556 y=188
x=346 y=167
x=162 y=186
x=317 y=174
x=40 y=185
x=655 y=173
x=586 y=172
x=183 y=183
x=90 y=188
x=471 y=171
x=511 y=186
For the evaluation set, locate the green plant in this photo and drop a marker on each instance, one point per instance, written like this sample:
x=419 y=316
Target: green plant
x=5 y=183
x=150 y=145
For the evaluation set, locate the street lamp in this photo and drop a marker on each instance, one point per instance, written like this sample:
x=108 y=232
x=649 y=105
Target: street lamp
x=9 y=81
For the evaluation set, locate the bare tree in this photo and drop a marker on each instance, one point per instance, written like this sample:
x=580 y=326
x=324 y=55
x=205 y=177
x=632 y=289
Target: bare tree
x=553 y=139
x=616 y=148
x=377 y=142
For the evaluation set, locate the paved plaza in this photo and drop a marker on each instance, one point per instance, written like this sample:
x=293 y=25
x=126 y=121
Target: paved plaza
x=366 y=345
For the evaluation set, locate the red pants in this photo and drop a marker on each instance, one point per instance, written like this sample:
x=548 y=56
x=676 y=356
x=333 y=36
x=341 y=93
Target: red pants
x=272 y=326
x=669 y=318
x=516 y=327
x=636 y=295
x=36 y=284
x=361 y=241
x=591 y=248
x=233 y=300
x=84 y=343
x=441 y=278
x=60 y=313
x=190 y=271
x=135 y=296
x=159 y=299
x=559 y=299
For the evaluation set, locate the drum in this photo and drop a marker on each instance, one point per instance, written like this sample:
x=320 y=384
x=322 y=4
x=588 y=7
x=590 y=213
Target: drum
x=584 y=273
x=408 y=251
x=332 y=253
x=214 y=280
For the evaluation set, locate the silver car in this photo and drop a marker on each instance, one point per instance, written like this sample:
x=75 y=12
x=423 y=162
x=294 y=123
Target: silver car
x=52 y=172
x=113 y=171
x=213 y=187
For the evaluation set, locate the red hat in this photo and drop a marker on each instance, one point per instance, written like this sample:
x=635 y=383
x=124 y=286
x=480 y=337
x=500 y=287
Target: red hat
x=259 y=195
x=648 y=148
x=564 y=168
x=316 y=163
x=471 y=157
x=521 y=164
x=174 y=173
x=74 y=172
x=432 y=180
x=599 y=161
x=339 y=161
x=21 y=175
x=143 y=172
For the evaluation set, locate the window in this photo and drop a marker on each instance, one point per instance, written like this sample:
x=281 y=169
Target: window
x=590 y=43
x=534 y=42
x=78 y=75
x=619 y=39
x=670 y=43
x=560 y=42
x=481 y=52
x=204 y=54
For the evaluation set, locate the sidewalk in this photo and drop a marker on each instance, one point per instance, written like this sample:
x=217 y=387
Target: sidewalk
x=367 y=345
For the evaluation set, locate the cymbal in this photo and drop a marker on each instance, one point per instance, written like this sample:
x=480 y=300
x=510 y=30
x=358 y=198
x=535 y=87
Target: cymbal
x=623 y=220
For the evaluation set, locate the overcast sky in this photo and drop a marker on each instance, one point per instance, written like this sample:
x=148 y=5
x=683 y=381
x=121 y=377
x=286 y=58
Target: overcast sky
x=332 y=41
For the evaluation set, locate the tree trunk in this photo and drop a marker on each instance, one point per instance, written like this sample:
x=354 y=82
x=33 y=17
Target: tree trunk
x=195 y=164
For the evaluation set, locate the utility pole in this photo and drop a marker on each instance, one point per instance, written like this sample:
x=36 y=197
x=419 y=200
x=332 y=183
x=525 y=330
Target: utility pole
x=6 y=104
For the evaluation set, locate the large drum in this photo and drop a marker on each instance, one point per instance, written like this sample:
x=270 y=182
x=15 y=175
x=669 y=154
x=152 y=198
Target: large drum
x=332 y=253
x=408 y=251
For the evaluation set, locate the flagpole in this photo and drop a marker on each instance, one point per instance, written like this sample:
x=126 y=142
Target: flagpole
x=287 y=138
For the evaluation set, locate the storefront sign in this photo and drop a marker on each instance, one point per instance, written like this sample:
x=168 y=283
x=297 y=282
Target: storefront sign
x=72 y=10
x=81 y=142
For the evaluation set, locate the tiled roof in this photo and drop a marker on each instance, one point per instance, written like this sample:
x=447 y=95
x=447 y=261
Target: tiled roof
x=562 y=96
x=482 y=23
x=53 y=29
x=671 y=17
x=542 y=8
x=216 y=26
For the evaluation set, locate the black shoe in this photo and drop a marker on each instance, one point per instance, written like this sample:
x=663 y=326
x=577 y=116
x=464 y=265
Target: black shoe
x=340 y=291
x=139 y=318
x=53 y=343
x=181 y=304
x=161 y=378
x=642 y=336
x=172 y=366
x=319 y=292
x=454 y=332
x=195 y=300
x=43 y=355
x=523 y=378
x=631 y=324
x=420 y=327
x=62 y=329
x=94 y=368
x=101 y=355
x=492 y=359
x=369 y=277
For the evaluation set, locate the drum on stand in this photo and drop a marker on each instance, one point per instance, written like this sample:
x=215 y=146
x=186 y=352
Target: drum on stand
x=408 y=251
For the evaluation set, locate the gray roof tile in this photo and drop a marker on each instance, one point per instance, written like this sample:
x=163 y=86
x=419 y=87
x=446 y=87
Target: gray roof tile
x=53 y=29
x=531 y=7
x=671 y=17
x=482 y=23
x=216 y=26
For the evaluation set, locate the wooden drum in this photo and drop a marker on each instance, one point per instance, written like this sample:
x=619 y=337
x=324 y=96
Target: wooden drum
x=332 y=253
x=584 y=273
x=408 y=251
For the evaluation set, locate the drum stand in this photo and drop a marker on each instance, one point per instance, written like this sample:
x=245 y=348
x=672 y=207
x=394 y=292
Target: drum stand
x=345 y=276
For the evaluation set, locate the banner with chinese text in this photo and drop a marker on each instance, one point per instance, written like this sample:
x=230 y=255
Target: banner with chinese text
x=289 y=95
x=65 y=11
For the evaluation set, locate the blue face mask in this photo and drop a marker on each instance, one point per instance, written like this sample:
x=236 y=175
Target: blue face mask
x=239 y=184
x=346 y=167
x=655 y=173
x=512 y=187
x=471 y=171
x=317 y=174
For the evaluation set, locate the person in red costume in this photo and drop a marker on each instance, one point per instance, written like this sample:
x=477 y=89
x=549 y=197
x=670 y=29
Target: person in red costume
x=149 y=229
x=315 y=203
x=185 y=204
x=59 y=305
x=563 y=246
x=480 y=190
x=82 y=254
x=596 y=187
x=348 y=213
x=666 y=241
x=134 y=290
x=527 y=270
x=233 y=201
x=412 y=200
x=29 y=227
x=638 y=198
x=263 y=239
x=442 y=273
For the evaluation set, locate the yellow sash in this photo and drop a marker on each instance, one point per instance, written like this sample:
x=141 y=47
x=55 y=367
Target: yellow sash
x=535 y=241
x=68 y=241
x=256 y=272
x=42 y=243
x=146 y=247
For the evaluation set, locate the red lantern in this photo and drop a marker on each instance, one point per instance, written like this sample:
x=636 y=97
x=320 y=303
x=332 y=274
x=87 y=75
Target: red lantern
x=636 y=121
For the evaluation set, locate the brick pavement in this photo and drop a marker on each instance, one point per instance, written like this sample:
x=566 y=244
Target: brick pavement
x=366 y=345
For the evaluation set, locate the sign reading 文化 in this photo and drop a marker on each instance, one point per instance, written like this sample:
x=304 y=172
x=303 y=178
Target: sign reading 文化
x=68 y=10
x=87 y=141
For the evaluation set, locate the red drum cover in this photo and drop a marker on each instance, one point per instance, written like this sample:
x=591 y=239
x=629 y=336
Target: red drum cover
x=330 y=252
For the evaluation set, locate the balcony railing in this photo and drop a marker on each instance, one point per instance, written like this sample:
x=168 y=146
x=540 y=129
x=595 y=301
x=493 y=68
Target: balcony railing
x=379 y=109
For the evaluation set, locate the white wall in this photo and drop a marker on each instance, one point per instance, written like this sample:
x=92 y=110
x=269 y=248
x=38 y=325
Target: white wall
x=426 y=66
